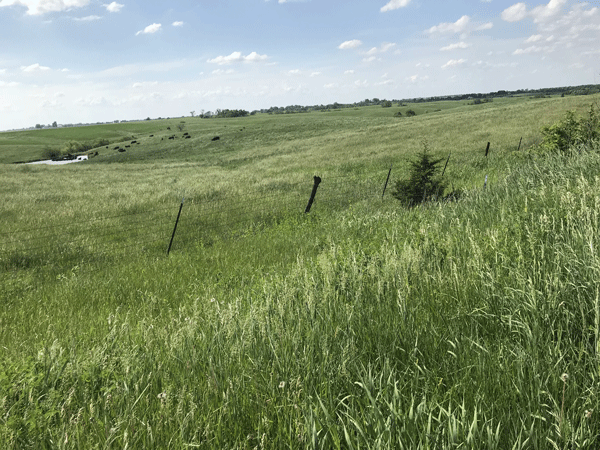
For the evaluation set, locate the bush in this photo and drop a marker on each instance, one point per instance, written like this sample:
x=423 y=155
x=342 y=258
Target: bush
x=51 y=153
x=423 y=184
x=410 y=113
x=571 y=132
x=75 y=147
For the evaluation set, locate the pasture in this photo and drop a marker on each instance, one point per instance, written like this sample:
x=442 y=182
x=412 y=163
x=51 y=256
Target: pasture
x=359 y=325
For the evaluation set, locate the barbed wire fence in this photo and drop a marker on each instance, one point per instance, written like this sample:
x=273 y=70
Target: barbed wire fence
x=103 y=239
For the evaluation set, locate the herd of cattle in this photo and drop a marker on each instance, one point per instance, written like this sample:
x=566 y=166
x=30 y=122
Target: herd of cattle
x=172 y=137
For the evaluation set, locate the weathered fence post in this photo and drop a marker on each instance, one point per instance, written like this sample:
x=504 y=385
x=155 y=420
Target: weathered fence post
x=175 y=229
x=386 y=181
x=487 y=149
x=313 y=193
x=444 y=171
x=520 y=140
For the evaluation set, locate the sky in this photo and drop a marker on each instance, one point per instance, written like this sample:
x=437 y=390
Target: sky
x=84 y=61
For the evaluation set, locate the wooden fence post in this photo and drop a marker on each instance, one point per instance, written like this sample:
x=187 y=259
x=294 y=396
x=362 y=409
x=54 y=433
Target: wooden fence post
x=313 y=193
x=386 y=181
x=487 y=149
x=175 y=229
x=444 y=171
x=520 y=140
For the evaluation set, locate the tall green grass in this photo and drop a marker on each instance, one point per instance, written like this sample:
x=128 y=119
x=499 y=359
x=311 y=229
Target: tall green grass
x=445 y=326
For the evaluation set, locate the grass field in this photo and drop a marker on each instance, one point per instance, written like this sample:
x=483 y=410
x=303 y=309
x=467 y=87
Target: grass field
x=472 y=324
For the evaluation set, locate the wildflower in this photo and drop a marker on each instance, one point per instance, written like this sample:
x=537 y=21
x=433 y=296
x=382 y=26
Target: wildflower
x=564 y=377
x=588 y=413
x=282 y=385
x=212 y=300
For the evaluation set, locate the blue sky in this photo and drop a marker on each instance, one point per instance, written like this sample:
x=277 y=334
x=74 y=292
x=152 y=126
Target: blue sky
x=75 y=61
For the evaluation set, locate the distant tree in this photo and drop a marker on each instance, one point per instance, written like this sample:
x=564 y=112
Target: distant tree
x=54 y=124
x=51 y=153
x=423 y=184
x=38 y=126
x=386 y=104
x=192 y=113
x=181 y=126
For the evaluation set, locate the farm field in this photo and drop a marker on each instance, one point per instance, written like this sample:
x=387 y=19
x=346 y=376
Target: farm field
x=470 y=324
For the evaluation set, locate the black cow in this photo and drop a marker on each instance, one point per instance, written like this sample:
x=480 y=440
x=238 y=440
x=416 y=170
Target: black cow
x=216 y=138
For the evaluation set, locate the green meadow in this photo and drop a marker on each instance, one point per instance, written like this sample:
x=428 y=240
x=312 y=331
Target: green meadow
x=470 y=324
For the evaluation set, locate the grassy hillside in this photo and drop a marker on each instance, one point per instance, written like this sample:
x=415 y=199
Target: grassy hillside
x=359 y=325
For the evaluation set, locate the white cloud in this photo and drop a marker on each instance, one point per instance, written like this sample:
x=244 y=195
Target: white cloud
x=177 y=24
x=150 y=29
x=385 y=47
x=253 y=57
x=454 y=63
x=2 y=71
x=39 y=7
x=222 y=72
x=451 y=27
x=455 y=46
x=237 y=57
x=350 y=44
x=315 y=74
x=87 y=18
x=349 y=72
x=369 y=59
x=516 y=12
x=34 y=68
x=525 y=51
x=113 y=7
x=485 y=26
x=534 y=38
x=394 y=4
x=543 y=12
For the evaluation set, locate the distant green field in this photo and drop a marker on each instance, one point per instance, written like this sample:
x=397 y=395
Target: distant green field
x=359 y=325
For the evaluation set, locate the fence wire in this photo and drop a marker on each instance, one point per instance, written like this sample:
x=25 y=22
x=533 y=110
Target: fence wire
x=149 y=231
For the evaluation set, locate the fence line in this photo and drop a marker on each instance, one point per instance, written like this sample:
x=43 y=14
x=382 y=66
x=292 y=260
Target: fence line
x=200 y=219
